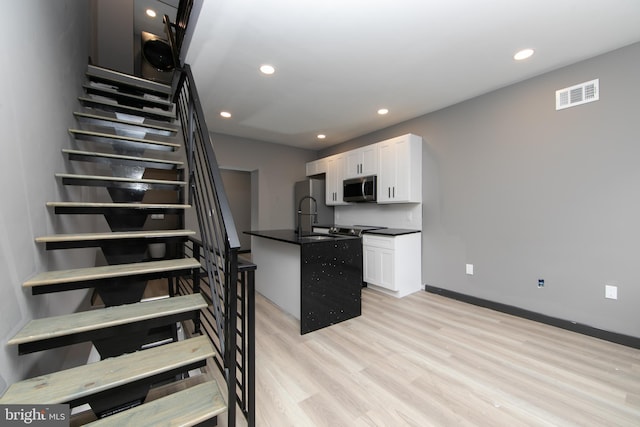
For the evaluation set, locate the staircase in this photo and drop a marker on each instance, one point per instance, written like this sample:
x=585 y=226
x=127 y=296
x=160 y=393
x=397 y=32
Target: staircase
x=123 y=119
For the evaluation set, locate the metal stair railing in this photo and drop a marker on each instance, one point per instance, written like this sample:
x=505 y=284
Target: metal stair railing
x=229 y=283
x=218 y=252
x=244 y=329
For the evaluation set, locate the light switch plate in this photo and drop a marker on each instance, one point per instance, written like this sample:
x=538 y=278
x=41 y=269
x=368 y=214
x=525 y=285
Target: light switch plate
x=611 y=292
x=469 y=269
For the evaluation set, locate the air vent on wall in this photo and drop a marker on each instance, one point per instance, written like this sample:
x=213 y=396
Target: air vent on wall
x=578 y=94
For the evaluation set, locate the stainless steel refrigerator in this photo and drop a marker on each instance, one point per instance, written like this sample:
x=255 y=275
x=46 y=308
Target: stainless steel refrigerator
x=315 y=188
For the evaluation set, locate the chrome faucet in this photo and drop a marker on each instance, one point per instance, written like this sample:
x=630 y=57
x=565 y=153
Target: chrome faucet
x=314 y=214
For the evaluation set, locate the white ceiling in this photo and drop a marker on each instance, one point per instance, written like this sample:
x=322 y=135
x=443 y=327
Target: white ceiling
x=339 y=61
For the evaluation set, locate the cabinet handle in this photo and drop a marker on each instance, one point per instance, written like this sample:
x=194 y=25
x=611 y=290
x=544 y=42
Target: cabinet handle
x=389 y=192
x=394 y=192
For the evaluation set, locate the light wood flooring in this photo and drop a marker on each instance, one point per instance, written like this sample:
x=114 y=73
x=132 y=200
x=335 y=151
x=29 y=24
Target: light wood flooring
x=426 y=360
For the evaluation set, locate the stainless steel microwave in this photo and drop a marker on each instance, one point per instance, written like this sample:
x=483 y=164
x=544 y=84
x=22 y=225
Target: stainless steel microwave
x=362 y=189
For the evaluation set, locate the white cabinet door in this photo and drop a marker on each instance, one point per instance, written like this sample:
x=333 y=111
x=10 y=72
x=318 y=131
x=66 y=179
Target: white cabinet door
x=335 y=176
x=379 y=261
x=387 y=269
x=379 y=267
x=400 y=176
x=362 y=161
x=371 y=265
x=316 y=167
x=387 y=176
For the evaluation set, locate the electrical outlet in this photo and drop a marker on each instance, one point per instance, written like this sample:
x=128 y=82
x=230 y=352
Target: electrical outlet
x=611 y=292
x=469 y=269
x=541 y=283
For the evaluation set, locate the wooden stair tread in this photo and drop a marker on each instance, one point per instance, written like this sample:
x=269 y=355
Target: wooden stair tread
x=92 y=135
x=119 y=179
x=94 y=71
x=114 y=236
x=69 y=324
x=111 y=91
x=116 y=122
x=110 y=271
x=76 y=383
x=144 y=112
x=120 y=157
x=187 y=407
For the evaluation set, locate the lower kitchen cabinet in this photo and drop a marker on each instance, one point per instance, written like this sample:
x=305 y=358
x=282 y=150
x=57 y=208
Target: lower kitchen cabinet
x=392 y=262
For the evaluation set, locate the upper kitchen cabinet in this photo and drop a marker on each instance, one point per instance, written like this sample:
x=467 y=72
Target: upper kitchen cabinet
x=335 y=166
x=397 y=163
x=400 y=172
x=362 y=162
x=317 y=167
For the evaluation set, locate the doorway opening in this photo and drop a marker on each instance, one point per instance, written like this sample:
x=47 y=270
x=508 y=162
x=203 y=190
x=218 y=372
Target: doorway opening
x=241 y=190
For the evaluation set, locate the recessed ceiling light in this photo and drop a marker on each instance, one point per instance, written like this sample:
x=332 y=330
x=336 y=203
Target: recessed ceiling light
x=383 y=111
x=322 y=136
x=267 y=69
x=523 y=54
x=151 y=13
x=225 y=114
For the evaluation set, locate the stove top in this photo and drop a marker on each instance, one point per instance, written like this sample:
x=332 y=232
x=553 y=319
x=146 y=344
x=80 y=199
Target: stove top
x=352 y=230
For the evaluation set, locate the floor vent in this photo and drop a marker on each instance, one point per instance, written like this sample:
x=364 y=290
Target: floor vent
x=578 y=94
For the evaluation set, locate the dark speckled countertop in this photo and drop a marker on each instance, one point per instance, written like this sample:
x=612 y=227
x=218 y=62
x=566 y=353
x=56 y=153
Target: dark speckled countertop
x=392 y=231
x=290 y=236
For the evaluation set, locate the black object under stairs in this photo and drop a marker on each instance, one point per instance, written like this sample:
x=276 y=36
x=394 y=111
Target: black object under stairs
x=122 y=120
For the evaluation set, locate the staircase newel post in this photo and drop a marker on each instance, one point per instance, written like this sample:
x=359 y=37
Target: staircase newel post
x=231 y=311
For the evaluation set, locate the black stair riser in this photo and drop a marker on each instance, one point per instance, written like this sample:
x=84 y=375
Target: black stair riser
x=138 y=147
x=90 y=210
x=105 y=401
x=130 y=99
x=101 y=243
x=128 y=110
x=124 y=195
x=129 y=342
x=115 y=123
x=108 y=160
x=110 y=282
x=136 y=186
x=120 y=332
x=127 y=292
x=126 y=86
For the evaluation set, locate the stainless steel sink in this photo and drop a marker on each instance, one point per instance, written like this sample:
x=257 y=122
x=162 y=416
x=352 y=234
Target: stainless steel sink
x=318 y=237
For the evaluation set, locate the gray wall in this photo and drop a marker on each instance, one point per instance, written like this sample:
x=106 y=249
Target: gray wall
x=41 y=77
x=525 y=192
x=275 y=168
x=113 y=44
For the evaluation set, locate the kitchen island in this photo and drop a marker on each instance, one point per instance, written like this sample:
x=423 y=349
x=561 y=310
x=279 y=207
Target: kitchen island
x=315 y=278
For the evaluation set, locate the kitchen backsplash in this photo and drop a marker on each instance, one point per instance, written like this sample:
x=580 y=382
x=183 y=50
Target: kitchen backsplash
x=401 y=215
